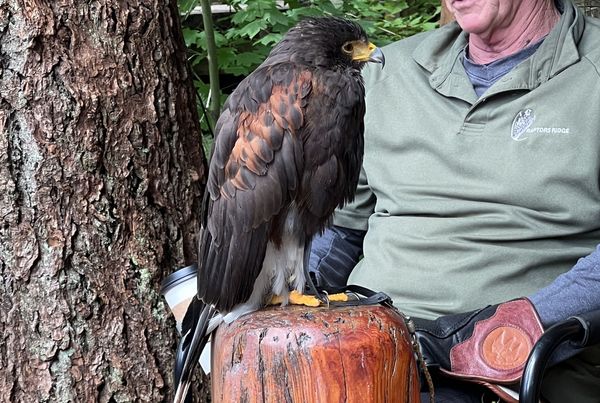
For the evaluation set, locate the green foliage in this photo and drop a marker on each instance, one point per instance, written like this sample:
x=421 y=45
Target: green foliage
x=245 y=37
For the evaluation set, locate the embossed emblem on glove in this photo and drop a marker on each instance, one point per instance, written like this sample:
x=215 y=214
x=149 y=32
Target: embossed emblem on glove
x=506 y=347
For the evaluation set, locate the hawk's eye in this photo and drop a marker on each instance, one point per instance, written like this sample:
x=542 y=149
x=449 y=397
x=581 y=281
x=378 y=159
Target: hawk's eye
x=348 y=47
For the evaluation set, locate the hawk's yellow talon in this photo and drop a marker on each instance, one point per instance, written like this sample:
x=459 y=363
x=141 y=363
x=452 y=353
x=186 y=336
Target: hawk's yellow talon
x=341 y=297
x=295 y=298
x=300 y=299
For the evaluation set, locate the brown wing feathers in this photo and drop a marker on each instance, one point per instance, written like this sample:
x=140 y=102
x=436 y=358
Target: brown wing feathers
x=253 y=175
x=334 y=148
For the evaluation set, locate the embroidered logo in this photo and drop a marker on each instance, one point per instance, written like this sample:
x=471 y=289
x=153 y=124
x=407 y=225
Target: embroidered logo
x=522 y=127
x=521 y=123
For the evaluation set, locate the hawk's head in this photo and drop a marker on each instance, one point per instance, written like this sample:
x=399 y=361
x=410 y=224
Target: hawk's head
x=330 y=42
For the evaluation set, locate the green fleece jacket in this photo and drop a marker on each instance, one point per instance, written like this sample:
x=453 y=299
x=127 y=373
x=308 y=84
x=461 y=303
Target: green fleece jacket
x=468 y=200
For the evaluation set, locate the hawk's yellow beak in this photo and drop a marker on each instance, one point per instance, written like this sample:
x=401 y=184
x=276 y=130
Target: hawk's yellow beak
x=368 y=53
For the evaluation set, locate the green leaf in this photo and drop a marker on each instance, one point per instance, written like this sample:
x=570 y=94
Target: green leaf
x=190 y=36
x=185 y=6
x=252 y=29
x=298 y=13
x=269 y=40
x=227 y=58
x=276 y=17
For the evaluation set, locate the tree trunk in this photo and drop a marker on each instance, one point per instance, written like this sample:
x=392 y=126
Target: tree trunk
x=101 y=176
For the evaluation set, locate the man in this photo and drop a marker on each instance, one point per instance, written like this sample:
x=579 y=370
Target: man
x=480 y=179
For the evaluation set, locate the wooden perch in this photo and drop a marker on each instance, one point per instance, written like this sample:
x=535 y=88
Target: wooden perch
x=312 y=355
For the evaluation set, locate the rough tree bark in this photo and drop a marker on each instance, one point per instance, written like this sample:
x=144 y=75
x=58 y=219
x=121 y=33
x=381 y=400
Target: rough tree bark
x=101 y=176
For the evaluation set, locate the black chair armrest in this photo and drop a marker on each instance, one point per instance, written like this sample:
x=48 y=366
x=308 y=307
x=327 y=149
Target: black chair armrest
x=580 y=331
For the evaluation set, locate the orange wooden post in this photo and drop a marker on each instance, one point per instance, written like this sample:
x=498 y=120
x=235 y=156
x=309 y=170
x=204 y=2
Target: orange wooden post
x=315 y=355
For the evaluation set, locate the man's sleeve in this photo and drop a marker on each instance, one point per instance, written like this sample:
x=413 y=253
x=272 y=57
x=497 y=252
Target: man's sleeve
x=333 y=255
x=574 y=292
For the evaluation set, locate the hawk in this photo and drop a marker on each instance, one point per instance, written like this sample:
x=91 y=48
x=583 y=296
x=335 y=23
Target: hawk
x=288 y=151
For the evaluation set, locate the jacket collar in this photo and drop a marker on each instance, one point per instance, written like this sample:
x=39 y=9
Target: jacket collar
x=441 y=55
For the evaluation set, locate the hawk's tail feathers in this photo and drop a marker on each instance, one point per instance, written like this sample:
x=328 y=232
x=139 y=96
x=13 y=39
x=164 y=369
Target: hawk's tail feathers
x=194 y=338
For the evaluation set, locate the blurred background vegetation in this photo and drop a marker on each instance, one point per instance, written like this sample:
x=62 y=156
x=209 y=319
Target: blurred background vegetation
x=244 y=32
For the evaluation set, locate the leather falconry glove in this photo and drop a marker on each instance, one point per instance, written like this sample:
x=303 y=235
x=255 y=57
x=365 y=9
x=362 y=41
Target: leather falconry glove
x=489 y=346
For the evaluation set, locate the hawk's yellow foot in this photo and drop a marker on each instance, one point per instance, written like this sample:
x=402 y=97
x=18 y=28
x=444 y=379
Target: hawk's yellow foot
x=296 y=298
x=341 y=297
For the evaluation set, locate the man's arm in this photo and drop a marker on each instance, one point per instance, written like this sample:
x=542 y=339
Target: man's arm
x=572 y=293
x=333 y=255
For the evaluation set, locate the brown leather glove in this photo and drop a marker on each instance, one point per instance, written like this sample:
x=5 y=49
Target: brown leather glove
x=489 y=346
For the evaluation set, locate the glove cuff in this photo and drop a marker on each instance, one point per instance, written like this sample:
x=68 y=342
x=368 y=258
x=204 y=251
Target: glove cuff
x=498 y=349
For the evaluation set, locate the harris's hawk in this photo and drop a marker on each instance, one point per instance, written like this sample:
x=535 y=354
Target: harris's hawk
x=288 y=151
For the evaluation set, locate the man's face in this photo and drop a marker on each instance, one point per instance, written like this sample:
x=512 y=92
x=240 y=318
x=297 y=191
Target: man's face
x=483 y=17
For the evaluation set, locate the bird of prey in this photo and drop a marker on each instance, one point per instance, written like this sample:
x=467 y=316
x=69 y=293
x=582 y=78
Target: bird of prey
x=288 y=150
